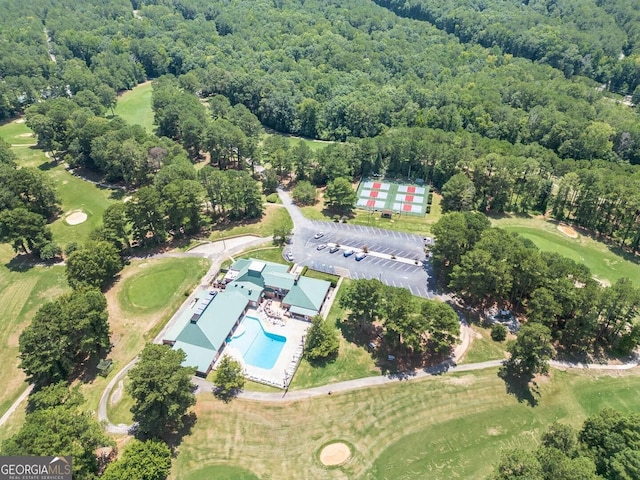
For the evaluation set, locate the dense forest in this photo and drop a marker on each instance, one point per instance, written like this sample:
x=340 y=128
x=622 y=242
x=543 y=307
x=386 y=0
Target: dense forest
x=504 y=106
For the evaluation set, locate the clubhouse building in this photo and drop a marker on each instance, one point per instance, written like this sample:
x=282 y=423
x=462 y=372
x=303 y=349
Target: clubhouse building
x=264 y=290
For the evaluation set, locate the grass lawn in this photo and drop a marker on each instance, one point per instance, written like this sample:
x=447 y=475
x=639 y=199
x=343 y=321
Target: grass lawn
x=74 y=194
x=322 y=276
x=353 y=361
x=313 y=145
x=219 y=472
x=135 y=324
x=17 y=133
x=134 y=106
x=119 y=411
x=606 y=262
x=153 y=286
x=402 y=223
x=78 y=194
x=269 y=254
x=483 y=348
x=451 y=426
x=274 y=216
x=23 y=290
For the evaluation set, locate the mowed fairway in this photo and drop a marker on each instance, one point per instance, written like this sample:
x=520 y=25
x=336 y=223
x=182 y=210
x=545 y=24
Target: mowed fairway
x=17 y=133
x=601 y=259
x=453 y=426
x=22 y=291
x=134 y=106
x=74 y=193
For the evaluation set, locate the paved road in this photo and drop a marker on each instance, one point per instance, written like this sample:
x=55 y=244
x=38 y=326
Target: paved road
x=405 y=270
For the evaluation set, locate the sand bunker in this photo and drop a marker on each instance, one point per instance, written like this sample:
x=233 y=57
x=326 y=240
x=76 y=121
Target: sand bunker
x=76 y=218
x=335 y=454
x=568 y=231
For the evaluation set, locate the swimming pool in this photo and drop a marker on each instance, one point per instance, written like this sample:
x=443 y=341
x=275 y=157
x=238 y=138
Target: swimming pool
x=258 y=348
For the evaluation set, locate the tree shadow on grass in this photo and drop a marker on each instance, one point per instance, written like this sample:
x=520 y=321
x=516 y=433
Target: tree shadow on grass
x=173 y=439
x=21 y=263
x=520 y=387
x=324 y=361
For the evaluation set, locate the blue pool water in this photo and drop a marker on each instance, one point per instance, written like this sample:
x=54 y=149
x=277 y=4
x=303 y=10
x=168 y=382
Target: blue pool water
x=259 y=348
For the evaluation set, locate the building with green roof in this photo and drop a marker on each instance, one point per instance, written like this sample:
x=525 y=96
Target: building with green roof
x=202 y=330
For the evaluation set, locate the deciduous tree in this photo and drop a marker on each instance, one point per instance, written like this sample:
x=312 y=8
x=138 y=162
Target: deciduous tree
x=161 y=389
x=229 y=378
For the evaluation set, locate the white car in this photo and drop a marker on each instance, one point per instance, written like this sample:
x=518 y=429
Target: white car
x=322 y=246
x=349 y=252
x=318 y=235
x=289 y=256
x=360 y=255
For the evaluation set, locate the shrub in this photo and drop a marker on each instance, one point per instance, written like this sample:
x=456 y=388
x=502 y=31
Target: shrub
x=498 y=332
x=272 y=198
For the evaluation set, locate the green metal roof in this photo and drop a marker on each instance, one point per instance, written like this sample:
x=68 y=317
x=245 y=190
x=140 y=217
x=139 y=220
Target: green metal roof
x=174 y=331
x=278 y=280
x=223 y=311
x=193 y=335
x=308 y=293
x=197 y=356
x=248 y=289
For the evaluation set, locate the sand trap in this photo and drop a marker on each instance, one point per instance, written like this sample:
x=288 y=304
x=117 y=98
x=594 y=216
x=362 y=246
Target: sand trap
x=25 y=135
x=335 y=454
x=20 y=120
x=76 y=218
x=568 y=231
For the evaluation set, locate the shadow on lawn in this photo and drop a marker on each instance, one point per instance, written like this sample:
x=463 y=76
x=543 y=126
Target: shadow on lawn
x=523 y=388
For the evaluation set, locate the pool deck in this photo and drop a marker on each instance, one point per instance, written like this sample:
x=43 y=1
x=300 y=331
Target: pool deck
x=294 y=331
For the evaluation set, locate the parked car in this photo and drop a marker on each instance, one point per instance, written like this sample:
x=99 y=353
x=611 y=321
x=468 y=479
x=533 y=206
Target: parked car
x=322 y=246
x=318 y=235
x=334 y=249
x=360 y=256
x=289 y=256
x=349 y=252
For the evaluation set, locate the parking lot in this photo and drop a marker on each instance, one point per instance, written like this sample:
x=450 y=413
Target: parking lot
x=407 y=270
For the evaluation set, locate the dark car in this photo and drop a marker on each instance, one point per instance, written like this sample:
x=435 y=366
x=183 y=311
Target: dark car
x=360 y=256
x=334 y=249
x=348 y=253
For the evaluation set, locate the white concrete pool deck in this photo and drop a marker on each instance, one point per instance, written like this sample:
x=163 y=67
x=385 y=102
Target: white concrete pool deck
x=284 y=368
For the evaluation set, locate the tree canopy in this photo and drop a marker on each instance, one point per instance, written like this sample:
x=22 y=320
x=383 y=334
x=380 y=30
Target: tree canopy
x=162 y=390
x=63 y=335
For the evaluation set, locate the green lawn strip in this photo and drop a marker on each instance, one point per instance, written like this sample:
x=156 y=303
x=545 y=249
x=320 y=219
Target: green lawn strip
x=322 y=276
x=120 y=410
x=269 y=254
x=449 y=426
x=604 y=263
x=31 y=157
x=14 y=422
x=22 y=293
x=134 y=106
x=398 y=222
x=353 y=361
x=483 y=348
x=78 y=194
x=15 y=133
x=274 y=217
x=219 y=472
x=313 y=145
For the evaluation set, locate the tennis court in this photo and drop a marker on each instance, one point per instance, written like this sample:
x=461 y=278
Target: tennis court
x=378 y=195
